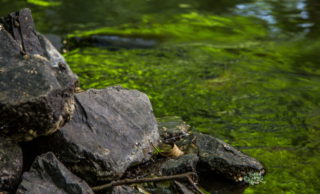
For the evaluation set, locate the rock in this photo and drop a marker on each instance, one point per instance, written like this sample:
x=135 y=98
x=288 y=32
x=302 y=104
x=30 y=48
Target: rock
x=182 y=164
x=219 y=157
x=10 y=165
x=20 y=25
x=181 y=188
x=111 y=130
x=123 y=189
x=173 y=166
x=55 y=58
x=35 y=97
x=171 y=127
x=9 y=49
x=48 y=175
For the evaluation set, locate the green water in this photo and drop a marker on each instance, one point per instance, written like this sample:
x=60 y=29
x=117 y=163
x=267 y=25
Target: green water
x=246 y=72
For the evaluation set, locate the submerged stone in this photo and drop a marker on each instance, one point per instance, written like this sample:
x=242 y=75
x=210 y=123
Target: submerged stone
x=111 y=130
x=219 y=157
x=48 y=175
x=10 y=165
x=171 y=127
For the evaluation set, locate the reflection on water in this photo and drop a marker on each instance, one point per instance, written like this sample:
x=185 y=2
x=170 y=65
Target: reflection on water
x=244 y=71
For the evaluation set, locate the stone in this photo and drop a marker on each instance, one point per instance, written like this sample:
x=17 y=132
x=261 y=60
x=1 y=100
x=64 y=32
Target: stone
x=10 y=165
x=36 y=98
x=48 y=175
x=219 y=157
x=20 y=25
x=123 y=189
x=55 y=58
x=171 y=128
x=173 y=166
x=111 y=130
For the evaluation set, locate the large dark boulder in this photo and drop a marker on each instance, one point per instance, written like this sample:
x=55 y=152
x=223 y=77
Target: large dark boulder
x=36 y=98
x=10 y=165
x=111 y=130
x=48 y=175
x=219 y=157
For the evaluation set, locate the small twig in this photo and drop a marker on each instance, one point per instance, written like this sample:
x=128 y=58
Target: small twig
x=194 y=185
x=146 y=180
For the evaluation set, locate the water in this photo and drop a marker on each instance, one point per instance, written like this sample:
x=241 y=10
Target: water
x=246 y=72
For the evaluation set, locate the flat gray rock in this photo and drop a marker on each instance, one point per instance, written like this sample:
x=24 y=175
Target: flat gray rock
x=48 y=176
x=111 y=130
x=36 y=98
x=219 y=157
x=10 y=165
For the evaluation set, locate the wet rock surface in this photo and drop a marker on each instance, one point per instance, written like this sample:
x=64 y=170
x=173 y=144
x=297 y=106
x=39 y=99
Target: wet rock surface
x=171 y=127
x=10 y=165
x=217 y=156
x=111 y=130
x=48 y=175
x=35 y=98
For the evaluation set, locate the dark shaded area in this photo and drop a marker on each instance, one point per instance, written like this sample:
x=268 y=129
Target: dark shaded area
x=214 y=183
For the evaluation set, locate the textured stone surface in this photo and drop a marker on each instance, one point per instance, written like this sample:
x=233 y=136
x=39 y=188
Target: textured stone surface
x=35 y=98
x=55 y=58
x=9 y=49
x=123 y=189
x=10 y=165
x=171 y=127
x=111 y=130
x=219 y=157
x=48 y=175
x=173 y=166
